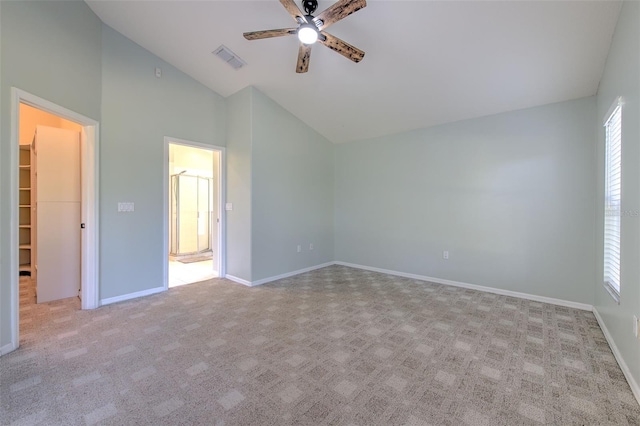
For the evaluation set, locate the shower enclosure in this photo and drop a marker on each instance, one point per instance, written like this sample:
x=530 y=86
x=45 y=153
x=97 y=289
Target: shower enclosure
x=191 y=214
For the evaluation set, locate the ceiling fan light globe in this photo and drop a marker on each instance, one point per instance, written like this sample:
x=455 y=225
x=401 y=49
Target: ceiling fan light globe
x=307 y=34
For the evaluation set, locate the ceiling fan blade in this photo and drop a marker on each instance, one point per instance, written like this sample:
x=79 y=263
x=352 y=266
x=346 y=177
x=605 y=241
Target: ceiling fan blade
x=304 y=55
x=257 y=35
x=342 y=47
x=294 y=11
x=338 y=11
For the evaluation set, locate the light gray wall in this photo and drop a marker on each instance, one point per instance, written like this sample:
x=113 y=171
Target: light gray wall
x=509 y=196
x=239 y=184
x=5 y=330
x=622 y=78
x=138 y=110
x=50 y=49
x=292 y=192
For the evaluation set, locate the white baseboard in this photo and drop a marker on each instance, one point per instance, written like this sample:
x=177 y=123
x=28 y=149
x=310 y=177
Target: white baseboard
x=9 y=347
x=635 y=388
x=542 y=299
x=130 y=296
x=238 y=280
x=277 y=277
x=290 y=274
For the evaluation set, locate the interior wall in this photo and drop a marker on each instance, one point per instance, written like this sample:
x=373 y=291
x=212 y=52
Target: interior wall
x=292 y=192
x=31 y=117
x=52 y=50
x=138 y=111
x=509 y=196
x=5 y=331
x=239 y=157
x=622 y=78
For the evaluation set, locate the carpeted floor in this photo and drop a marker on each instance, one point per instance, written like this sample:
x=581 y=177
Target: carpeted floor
x=336 y=346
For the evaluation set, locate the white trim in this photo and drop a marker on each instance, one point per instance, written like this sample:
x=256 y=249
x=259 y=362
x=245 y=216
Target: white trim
x=635 y=388
x=542 y=299
x=615 y=294
x=617 y=102
x=222 y=233
x=116 y=299
x=7 y=348
x=238 y=280
x=90 y=212
x=165 y=216
x=90 y=209
x=277 y=277
x=290 y=274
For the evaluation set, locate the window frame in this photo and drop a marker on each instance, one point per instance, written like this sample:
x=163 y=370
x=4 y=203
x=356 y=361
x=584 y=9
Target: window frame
x=612 y=258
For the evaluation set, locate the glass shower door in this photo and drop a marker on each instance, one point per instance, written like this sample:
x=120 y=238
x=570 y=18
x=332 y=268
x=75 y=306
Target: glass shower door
x=191 y=210
x=204 y=214
x=187 y=214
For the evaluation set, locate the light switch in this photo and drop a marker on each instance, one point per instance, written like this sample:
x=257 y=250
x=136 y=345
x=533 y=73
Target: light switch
x=228 y=206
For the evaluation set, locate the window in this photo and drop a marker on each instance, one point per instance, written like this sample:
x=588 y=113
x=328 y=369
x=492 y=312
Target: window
x=612 y=199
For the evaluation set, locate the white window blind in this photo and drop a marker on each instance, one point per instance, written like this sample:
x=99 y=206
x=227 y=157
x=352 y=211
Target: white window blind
x=612 y=200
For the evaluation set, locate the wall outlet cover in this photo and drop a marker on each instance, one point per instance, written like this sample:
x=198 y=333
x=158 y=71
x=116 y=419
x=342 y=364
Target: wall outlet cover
x=126 y=207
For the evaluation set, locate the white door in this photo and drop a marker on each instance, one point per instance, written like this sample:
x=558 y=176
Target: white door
x=58 y=213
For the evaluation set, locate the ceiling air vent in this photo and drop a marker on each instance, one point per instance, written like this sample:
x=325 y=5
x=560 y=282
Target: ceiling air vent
x=229 y=57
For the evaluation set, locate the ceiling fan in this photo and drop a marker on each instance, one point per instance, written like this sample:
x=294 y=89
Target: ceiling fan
x=311 y=29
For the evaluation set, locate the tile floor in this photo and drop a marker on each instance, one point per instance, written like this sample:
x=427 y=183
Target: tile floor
x=188 y=273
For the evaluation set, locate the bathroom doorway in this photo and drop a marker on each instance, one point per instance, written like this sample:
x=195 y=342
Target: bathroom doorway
x=194 y=217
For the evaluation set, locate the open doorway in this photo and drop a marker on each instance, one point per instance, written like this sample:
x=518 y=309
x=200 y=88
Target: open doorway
x=32 y=263
x=194 y=193
x=49 y=210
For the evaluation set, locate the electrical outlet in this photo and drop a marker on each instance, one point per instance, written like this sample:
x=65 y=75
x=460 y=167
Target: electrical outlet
x=299 y=248
x=445 y=254
x=126 y=207
x=636 y=326
x=310 y=246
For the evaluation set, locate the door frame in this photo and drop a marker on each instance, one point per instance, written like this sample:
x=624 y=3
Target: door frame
x=89 y=162
x=222 y=237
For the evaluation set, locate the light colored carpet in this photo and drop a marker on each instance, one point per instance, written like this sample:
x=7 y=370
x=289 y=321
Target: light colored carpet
x=336 y=346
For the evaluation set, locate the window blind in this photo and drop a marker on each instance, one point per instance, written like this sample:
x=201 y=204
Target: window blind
x=612 y=207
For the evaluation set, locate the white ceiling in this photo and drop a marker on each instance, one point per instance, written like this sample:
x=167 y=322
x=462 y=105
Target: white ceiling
x=426 y=63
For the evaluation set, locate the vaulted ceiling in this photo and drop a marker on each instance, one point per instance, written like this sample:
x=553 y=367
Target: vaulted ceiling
x=426 y=63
